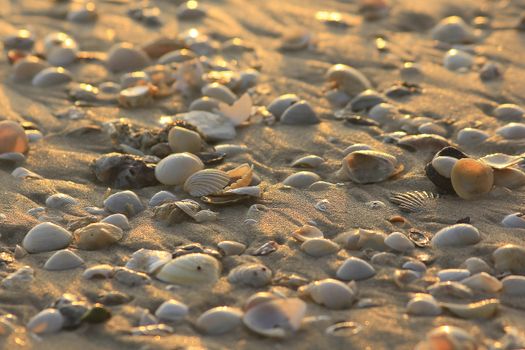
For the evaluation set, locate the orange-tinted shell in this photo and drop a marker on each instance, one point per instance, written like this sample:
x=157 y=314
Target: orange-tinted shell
x=471 y=178
x=12 y=137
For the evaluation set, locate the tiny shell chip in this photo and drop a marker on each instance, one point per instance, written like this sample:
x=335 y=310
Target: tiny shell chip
x=219 y=320
x=12 y=137
x=275 y=318
x=125 y=58
x=251 y=274
x=52 y=76
x=195 y=268
x=97 y=236
x=206 y=182
x=46 y=321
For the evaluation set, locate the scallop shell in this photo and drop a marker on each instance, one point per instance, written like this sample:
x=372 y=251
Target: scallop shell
x=241 y=176
x=414 y=201
x=281 y=103
x=63 y=260
x=318 y=247
x=481 y=309
x=97 y=236
x=46 y=237
x=251 y=274
x=51 y=76
x=310 y=161
x=99 y=271
x=300 y=113
x=275 y=318
x=355 y=269
x=46 y=321
x=219 y=320
x=195 y=268
x=423 y=305
x=147 y=260
x=12 y=137
x=307 y=232
x=331 y=293
x=172 y=311
x=348 y=79
x=369 y=166
x=510 y=258
x=176 y=168
x=483 y=282
x=206 y=182
x=458 y=235
x=119 y=220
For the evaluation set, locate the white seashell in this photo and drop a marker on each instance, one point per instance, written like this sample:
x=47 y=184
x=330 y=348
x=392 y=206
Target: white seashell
x=133 y=79
x=176 y=56
x=229 y=248
x=46 y=237
x=356 y=147
x=368 y=166
x=512 y=131
x=423 y=305
x=514 y=285
x=481 y=309
x=500 y=161
x=58 y=200
x=219 y=320
x=457 y=60
x=452 y=30
x=147 y=319
x=320 y=186
x=399 y=242
x=471 y=137
x=172 y=311
x=206 y=182
x=52 y=76
x=250 y=274
x=361 y=238
x=443 y=165
x=509 y=178
x=331 y=293
x=124 y=202
x=281 y=103
x=99 y=271
x=275 y=318
x=252 y=191
x=130 y=277
x=23 y=173
x=318 y=247
x=46 y=321
x=259 y=298
x=204 y=103
x=195 y=268
x=119 y=220
x=450 y=289
x=206 y=216
x=239 y=112
x=176 y=168
x=307 y=232
x=219 y=92
x=510 y=258
x=483 y=282
x=383 y=113
x=136 y=96
x=231 y=150
x=432 y=128
x=366 y=100
x=25 y=69
x=476 y=265
x=184 y=140
x=348 y=79
x=453 y=274
x=149 y=261
x=310 y=161
x=20 y=252
x=508 y=111
x=355 y=269
x=20 y=278
x=301 y=179
x=515 y=220
x=415 y=265
x=125 y=58
x=63 y=260
x=215 y=127
x=458 y=235
x=162 y=197
x=300 y=113
x=60 y=49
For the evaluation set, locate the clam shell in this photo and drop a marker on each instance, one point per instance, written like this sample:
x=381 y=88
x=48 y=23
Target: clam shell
x=250 y=274
x=331 y=293
x=399 y=242
x=301 y=179
x=458 y=235
x=194 y=268
x=252 y=191
x=355 y=269
x=307 y=232
x=97 y=236
x=483 y=282
x=229 y=248
x=46 y=321
x=318 y=247
x=130 y=277
x=124 y=202
x=423 y=305
x=452 y=30
x=184 y=140
x=512 y=131
x=508 y=111
x=204 y=103
x=509 y=178
x=206 y=182
x=60 y=49
x=310 y=161
x=63 y=260
x=514 y=285
x=450 y=289
x=176 y=168
x=46 y=237
x=477 y=265
x=510 y=258
x=443 y=165
x=369 y=166
x=414 y=201
x=457 y=60
x=219 y=92
x=415 y=265
x=25 y=69
x=481 y=309
x=59 y=200
x=515 y=220
x=51 y=76
x=275 y=318
x=453 y=274
x=161 y=197
x=383 y=113
x=471 y=137
x=12 y=137
x=219 y=320
x=23 y=173
x=147 y=260
x=366 y=100
x=172 y=311
x=119 y=220
x=126 y=58
x=471 y=178
x=99 y=271
x=300 y=113
x=281 y=103
x=259 y=298
x=361 y=238
x=176 y=56
x=348 y=79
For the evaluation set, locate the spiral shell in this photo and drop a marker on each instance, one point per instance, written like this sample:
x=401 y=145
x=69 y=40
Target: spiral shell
x=206 y=182
x=195 y=268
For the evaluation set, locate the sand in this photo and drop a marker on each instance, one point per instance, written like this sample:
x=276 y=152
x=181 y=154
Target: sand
x=63 y=161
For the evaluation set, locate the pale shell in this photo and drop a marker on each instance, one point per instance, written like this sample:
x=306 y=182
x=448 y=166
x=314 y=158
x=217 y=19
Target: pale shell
x=368 y=166
x=301 y=179
x=259 y=298
x=58 y=200
x=510 y=258
x=512 y=131
x=27 y=68
x=219 y=320
x=450 y=289
x=310 y=161
x=481 y=309
x=176 y=168
x=124 y=202
x=99 y=271
x=483 y=282
x=147 y=260
x=252 y=191
x=162 y=197
x=204 y=103
x=46 y=321
x=219 y=92
x=509 y=178
x=281 y=103
x=51 y=76
x=514 y=285
x=240 y=176
x=195 y=268
x=453 y=274
x=172 y=311
x=477 y=265
x=508 y=111
x=458 y=60
x=229 y=248
x=423 y=305
x=458 y=235
x=348 y=79
x=250 y=274
x=97 y=236
x=307 y=232
x=399 y=242
x=63 y=260
x=125 y=58
x=355 y=269
x=450 y=337
x=443 y=165
x=20 y=278
x=471 y=137
x=331 y=293
x=119 y=220
x=130 y=277
x=206 y=182
x=184 y=140
x=300 y=113
x=46 y=237
x=452 y=30
x=318 y=247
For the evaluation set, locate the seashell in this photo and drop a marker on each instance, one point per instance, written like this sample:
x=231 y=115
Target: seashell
x=414 y=201
x=365 y=100
x=432 y=128
x=195 y=268
x=458 y=235
x=46 y=237
x=355 y=269
x=318 y=247
x=443 y=162
x=190 y=10
x=59 y=200
x=19 y=279
x=452 y=30
x=310 y=161
x=471 y=178
x=219 y=92
x=483 y=282
x=423 y=142
x=239 y=112
x=25 y=69
x=46 y=321
x=481 y=309
x=443 y=165
x=252 y=191
x=448 y=337
x=276 y=318
x=63 y=260
x=134 y=79
x=124 y=202
x=119 y=220
x=251 y=274
x=299 y=113
x=515 y=220
x=51 y=76
x=259 y=298
x=423 y=305
x=131 y=278
x=508 y=111
x=411 y=73
x=136 y=96
x=97 y=236
x=348 y=79
x=301 y=179
x=161 y=197
x=206 y=216
x=281 y=104
x=456 y=60
x=415 y=265
x=320 y=186
x=172 y=311
x=510 y=258
x=369 y=166
x=476 y=265
x=471 y=137
x=82 y=12
x=20 y=252
x=450 y=289
x=124 y=57
x=60 y=49
x=184 y=140
x=513 y=285
x=229 y=248
x=204 y=103
x=361 y=238
x=147 y=260
x=22 y=39
x=356 y=147
x=206 y=182
x=99 y=271
x=512 y=131
x=295 y=40
x=383 y=113
x=500 y=161
x=219 y=320
x=176 y=212
x=155 y=330
x=509 y=178
x=399 y=242
x=331 y=293
x=490 y=71
x=147 y=319
x=453 y=274
x=215 y=127
x=12 y=137
x=176 y=168
x=306 y=232
x=241 y=176
x=344 y=329
x=176 y=56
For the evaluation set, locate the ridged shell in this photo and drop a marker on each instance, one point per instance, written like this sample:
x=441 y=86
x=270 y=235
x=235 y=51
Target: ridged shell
x=369 y=166
x=331 y=293
x=219 y=320
x=275 y=318
x=147 y=260
x=46 y=321
x=481 y=309
x=46 y=237
x=63 y=260
x=206 y=182
x=97 y=236
x=318 y=247
x=172 y=311
x=414 y=201
x=195 y=268
x=251 y=274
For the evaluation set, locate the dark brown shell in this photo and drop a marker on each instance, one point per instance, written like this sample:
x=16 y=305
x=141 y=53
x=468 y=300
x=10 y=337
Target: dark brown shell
x=125 y=171
x=443 y=183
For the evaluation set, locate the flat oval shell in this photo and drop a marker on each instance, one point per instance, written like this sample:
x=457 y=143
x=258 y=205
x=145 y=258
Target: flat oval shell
x=330 y=293
x=194 y=268
x=172 y=311
x=301 y=179
x=355 y=269
x=481 y=309
x=123 y=202
x=458 y=235
x=219 y=320
x=318 y=247
x=46 y=237
x=251 y=274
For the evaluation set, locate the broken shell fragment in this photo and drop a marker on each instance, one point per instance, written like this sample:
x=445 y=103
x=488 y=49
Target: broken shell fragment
x=471 y=178
x=331 y=293
x=219 y=320
x=307 y=232
x=194 y=268
x=369 y=166
x=177 y=211
x=97 y=236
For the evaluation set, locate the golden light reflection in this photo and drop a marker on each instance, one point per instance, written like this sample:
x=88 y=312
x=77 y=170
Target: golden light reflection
x=165 y=120
x=192 y=4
